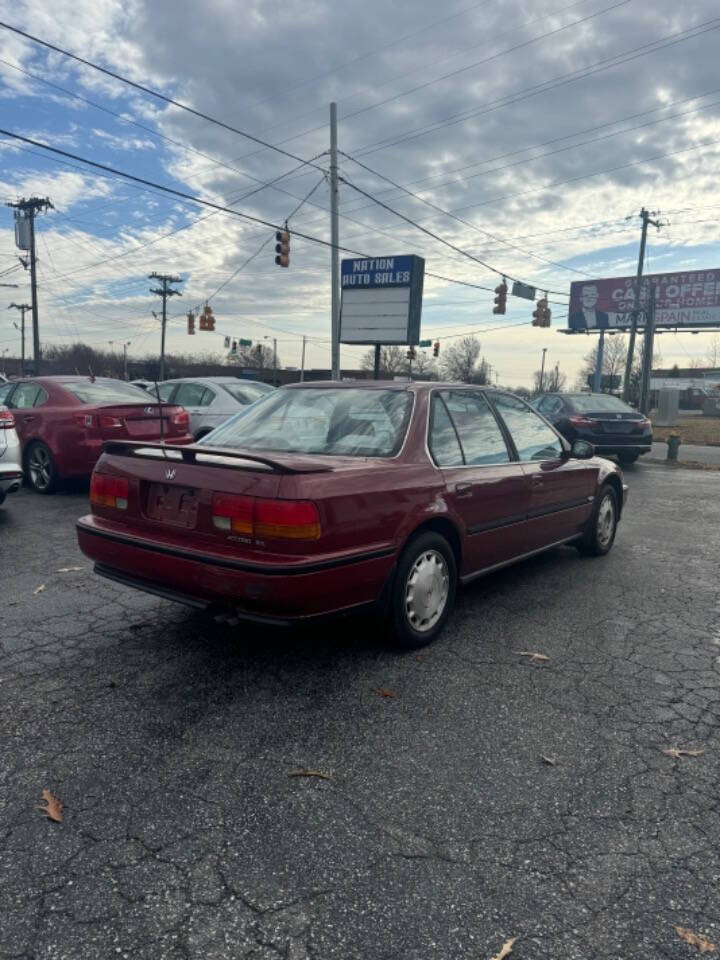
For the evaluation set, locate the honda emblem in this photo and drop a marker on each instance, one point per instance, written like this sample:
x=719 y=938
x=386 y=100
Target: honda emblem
x=170 y=474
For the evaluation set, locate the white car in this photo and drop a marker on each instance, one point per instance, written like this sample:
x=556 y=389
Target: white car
x=11 y=473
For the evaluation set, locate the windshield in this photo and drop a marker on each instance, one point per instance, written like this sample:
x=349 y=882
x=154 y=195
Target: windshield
x=599 y=403
x=106 y=391
x=352 y=423
x=247 y=392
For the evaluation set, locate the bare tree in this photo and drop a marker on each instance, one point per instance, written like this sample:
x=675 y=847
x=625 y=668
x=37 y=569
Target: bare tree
x=613 y=365
x=462 y=362
x=392 y=360
x=424 y=366
x=259 y=357
x=713 y=354
x=552 y=381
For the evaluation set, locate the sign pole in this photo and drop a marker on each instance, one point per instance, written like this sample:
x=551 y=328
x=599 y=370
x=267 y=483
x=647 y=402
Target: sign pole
x=376 y=373
x=636 y=301
x=335 y=252
x=597 y=380
x=643 y=405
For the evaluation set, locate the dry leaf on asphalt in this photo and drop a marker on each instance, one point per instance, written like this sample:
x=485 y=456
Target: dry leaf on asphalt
x=310 y=773
x=69 y=569
x=384 y=693
x=39 y=589
x=551 y=760
x=676 y=752
x=52 y=808
x=506 y=949
x=696 y=940
x=533 y=656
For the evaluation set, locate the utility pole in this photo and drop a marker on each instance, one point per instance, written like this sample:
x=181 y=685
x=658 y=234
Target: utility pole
x=25 y=213
x=335 y=251
x=542 y=371
x=646 y=219
x=164 y=291
x=124 y=346
x=302 y=362
x=23 y=308
x=597 y=378
x=649 y=344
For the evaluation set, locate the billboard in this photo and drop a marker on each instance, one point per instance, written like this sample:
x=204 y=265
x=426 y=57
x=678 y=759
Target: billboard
x=381 y=300
x=684 y=299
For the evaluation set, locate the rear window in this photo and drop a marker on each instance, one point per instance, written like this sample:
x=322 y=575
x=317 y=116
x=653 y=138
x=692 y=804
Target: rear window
x=105 y=391
x=246 y=392
x=351 y=423
x=599 y=403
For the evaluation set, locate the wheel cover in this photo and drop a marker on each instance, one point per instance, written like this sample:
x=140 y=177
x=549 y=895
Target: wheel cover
x=606 y=520
x=40 y=466
x=426 y=590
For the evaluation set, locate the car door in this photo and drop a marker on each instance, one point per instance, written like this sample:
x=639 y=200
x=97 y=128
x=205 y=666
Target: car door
x=486 y=488
x=561 y=489
x=189 y=395
x=27 y=418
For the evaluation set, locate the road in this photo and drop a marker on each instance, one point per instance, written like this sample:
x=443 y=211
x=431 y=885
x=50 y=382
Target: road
x=688 y=451
x=442 y=832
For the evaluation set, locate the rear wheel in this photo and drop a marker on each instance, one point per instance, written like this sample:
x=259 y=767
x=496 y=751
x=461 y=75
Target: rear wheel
x=202 y=433
x=600 y=531
x=41 y=471
x=627 y=458
x=424 y=591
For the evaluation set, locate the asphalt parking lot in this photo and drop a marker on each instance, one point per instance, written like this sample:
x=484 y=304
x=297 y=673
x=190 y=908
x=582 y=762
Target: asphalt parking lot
x=441 y=833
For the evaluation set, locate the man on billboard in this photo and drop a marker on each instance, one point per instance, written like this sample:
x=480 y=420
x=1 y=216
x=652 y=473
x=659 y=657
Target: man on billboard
x=588 y=318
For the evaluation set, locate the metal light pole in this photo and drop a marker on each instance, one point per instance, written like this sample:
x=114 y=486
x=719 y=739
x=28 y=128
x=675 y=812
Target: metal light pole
x=335 y=251
x=542 y=371
x=23 y=308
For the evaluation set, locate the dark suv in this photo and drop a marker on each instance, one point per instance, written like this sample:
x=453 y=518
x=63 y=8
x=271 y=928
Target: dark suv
x=613 y=427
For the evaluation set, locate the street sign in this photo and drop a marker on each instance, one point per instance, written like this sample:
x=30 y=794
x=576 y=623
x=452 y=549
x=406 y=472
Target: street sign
x=244 y=343
x=523 y=290
x=381 y=300
x=425 y=343
x=682 y=299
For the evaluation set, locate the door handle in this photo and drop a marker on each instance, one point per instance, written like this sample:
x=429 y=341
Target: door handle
x=28 y=419
x=463 y=489
x=537 y=480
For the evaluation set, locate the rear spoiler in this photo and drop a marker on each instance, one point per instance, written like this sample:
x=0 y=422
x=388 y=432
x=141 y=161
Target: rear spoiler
x=209 y=456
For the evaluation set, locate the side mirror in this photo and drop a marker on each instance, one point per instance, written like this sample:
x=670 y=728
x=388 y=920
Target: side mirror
x=582 y=450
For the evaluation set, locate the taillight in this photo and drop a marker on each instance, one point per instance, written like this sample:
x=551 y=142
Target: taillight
x=642 y=425
x=109 y=491
x=107 y=422
x=578 y=421
x=7 y=420
x=266 y=519
x=181 y=419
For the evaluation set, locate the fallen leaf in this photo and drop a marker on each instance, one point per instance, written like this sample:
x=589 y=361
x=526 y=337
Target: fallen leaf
x=551 y=760
x=69 y=569
x=676 y=752
x=39 y=589
x=419 y=656
x=696 y=940
x=310 y=773
x=506 y=949
x=384 y=693
x=52 y=808
x=533 y=656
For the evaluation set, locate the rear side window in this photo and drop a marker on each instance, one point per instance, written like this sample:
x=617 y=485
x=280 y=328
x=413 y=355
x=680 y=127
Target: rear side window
x=164 y=391
x=5 y=389
x=443 y=441
x=550 y=405
x=246 y=392
x=480 y=435
x=194 y=395
x=533 y=438
x=25 y=396
x=105 y=391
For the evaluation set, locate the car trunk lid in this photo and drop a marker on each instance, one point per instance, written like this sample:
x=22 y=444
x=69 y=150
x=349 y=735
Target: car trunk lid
x=130 y=421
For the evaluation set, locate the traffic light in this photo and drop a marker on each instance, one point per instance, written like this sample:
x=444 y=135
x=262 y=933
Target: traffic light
x=436 y=348
x=542 y=314
x=233 y=349
x=207 y=320
x=500 y=297
x=411 y=354
x=282 y=248
x=191 y=323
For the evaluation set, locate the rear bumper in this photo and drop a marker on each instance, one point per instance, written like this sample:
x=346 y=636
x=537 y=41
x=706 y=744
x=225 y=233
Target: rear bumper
x=634 y=447
x=272 y=592
x=10 y=480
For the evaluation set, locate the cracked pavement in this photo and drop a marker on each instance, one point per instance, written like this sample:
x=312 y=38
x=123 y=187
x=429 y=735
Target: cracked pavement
x=442 y=832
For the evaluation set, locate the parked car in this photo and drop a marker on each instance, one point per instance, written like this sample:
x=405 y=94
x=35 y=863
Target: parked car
x=210 y=401
x=613 y=427
x=62 y=423
x=10 y=460
x=331 y=497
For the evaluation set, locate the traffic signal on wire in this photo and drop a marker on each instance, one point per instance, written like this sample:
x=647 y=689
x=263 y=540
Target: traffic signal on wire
x=542 y=313
x=282 y=248
x=207 y=320
x=501 y=291
x=436 y=348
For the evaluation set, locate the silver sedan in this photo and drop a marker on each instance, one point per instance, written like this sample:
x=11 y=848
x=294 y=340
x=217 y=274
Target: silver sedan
x=211 y=400
x=10 y=458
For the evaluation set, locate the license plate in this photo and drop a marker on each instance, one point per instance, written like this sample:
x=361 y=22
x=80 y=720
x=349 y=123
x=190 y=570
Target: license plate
x=170 y=504
x=618 y=426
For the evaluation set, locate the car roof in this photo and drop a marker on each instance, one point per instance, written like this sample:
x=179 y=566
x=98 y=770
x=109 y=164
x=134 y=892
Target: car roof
x=213 y=380
x=415 y=385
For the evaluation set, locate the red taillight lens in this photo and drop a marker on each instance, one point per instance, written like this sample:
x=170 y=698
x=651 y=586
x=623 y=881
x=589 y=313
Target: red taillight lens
x=578 y=421
x=107 y=422
x=642 y=425
x=181 y=419
x=109 y=491
x=7 y=420
x=266 y=519
x=287 y=519
x=234 y=513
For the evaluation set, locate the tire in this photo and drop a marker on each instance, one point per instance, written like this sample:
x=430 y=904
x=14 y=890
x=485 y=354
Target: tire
x=427 y=564
x=601 y=528
x=626 y=459
x=40 y=468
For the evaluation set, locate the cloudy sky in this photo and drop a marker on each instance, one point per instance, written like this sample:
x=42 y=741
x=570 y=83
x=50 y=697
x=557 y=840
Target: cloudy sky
x=530 y=131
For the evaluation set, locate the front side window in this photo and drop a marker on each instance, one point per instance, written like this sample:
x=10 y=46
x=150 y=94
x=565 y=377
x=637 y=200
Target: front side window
x=105 y=391
x=25 y=396
x=533 y=438
x=5 y=389
x=480 y=436
x=352 y=422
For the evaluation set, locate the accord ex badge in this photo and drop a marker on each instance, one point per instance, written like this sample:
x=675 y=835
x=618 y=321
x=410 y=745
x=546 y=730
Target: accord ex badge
x=169 y=474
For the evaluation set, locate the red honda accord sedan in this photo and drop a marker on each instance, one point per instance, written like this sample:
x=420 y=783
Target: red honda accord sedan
x=327 y=497
x=62 y=423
